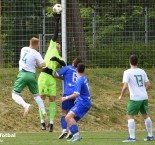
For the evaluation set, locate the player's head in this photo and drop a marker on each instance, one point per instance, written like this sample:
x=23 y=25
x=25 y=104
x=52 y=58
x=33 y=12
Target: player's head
x=34 y=43
x=58 y=46
x=80 y=68
x=133 y=60
x=76 y=61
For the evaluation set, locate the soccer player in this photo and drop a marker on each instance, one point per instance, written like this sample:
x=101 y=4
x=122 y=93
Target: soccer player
x=29 y=59
x=69 y=75
x=138 y=83
x=46 y=80
x=82 y=103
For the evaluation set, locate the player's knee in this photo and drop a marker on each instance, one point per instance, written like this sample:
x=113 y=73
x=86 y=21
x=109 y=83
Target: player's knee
x=67 y=118
x=14 y=94
x=64 y=112
x=52 y=99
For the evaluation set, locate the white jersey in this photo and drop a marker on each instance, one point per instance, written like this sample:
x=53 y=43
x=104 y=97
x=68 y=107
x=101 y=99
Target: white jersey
x=29 y=58
x=136 y=79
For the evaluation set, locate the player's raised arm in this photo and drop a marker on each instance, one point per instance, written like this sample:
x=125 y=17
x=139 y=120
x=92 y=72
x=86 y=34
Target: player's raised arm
x=56 y=27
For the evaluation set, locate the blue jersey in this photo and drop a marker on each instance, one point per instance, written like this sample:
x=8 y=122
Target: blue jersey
x=70 y=77
x=82 y=89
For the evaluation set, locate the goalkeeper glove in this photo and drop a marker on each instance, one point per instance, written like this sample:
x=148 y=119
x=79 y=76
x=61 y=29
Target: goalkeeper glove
x=57 y=16
x=61 y=62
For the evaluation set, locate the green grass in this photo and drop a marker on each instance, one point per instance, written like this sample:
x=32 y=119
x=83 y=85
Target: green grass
x=106 y=112
x=89 y=138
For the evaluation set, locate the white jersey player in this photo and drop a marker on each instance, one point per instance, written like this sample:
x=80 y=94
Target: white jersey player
x=29 y=59
x=137 y=81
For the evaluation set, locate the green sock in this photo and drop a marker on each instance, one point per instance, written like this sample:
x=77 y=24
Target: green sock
x=52 y=109
x=41 y=114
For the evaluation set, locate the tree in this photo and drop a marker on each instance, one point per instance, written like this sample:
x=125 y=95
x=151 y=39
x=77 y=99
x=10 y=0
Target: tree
x=1 y=55
x=75 y=32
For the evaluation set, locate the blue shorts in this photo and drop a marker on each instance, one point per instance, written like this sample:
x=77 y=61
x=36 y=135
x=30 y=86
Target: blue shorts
x=68 y=104
x=79 y=110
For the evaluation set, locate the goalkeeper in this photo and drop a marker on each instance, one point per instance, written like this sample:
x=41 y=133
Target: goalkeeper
x=46 y=80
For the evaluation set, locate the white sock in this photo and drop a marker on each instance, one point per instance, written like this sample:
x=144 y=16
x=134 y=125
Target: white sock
x=51 y=122
x=40 y=103
x=42 y=121
x=18 y=99
x=76 y=134
x=64 y=130
x=131 y=128
x=148 y=124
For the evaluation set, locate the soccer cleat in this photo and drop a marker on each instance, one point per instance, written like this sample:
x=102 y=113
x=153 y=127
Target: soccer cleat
x=45 y=116
x=26 y=110
x=43 y=126
x=149 y=138
x=50 y=127
x=75 y=138
x=69 y=136
x=62 y=135
x=129 y=140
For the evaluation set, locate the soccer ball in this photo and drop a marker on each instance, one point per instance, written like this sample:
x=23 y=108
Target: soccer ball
x=57 y=8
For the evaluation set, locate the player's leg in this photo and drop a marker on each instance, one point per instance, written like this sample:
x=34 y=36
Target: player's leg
x=131 y=126
x=133 y=108
x=19 y=100
x=51 y=92
x=42 y=92
x=52 y=110
x=63 y=124
x=73 y=127
x=42 y=118
x=41 y=106
x=77 y=112
x=19 y=85
x=33 y=87
x=66 y=105
x=147 y=120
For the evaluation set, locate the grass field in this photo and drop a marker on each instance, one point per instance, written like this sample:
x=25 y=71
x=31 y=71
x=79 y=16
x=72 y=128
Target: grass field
x=89 y=138
x=106 y=112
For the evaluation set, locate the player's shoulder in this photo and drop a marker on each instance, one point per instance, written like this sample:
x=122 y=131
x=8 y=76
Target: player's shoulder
x=25 y=48
x=128 y=72
x=82 y=79
x=142 y=71
x=66 y=67
x=70 y=67
x=133 y=70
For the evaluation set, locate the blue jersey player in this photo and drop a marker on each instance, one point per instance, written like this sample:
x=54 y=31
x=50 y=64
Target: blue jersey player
x=82 y=103
x=69 y=75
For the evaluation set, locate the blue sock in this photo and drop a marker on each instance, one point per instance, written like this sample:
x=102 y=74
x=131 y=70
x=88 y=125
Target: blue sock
x=74 y=129
x=63 y=122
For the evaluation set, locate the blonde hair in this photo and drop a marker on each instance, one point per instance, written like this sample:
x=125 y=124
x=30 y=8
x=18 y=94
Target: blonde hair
x=34 y=41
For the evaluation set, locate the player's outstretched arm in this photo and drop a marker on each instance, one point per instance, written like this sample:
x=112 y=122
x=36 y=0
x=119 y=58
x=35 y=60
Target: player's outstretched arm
x=69 y=97
x=59 y=77
x=41 y=65
x=56 y=27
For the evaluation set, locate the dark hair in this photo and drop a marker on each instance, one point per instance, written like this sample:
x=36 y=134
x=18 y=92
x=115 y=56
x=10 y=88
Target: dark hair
x=81 y=67
x=133 y=59
x=76 y=61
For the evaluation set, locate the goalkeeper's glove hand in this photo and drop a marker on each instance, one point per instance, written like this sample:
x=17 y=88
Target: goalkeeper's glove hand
x=61 y=62
x=57 y=16
x=54 y=58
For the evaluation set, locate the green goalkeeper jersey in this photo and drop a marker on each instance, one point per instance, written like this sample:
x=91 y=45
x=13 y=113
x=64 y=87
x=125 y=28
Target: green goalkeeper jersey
x=52 y=51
